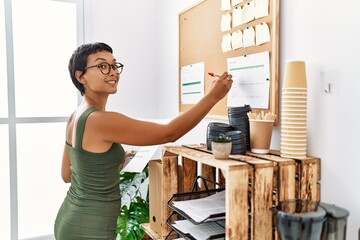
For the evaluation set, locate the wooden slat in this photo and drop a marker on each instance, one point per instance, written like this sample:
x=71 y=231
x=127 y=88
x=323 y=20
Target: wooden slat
x=169 y=187
x=262 y=191
x=189 y=173
x=201 y=157
x=237 y=202
x=251 y=203
x=221 y=177
x=286 y=182
x=208 y=172
x=149 y=232
x=283 y=182
x=274 y=158
x=309 y=182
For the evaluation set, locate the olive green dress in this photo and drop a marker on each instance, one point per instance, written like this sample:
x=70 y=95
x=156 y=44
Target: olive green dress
x=92 y=204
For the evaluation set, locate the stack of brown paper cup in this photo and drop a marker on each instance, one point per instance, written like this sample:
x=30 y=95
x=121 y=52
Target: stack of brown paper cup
x=294 y=111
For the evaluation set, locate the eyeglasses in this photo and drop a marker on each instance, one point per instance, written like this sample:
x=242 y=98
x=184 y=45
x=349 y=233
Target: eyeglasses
x=105 y=67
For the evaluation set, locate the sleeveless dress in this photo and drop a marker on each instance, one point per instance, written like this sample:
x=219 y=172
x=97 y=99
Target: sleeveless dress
x=92 y=204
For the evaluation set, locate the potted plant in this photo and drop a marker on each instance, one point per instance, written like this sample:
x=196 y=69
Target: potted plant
x=221 y=146
x=134 y=205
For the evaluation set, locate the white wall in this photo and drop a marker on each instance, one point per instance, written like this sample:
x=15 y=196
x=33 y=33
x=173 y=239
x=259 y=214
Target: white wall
x=130 y=28
x=318 y=32
x=321 y=33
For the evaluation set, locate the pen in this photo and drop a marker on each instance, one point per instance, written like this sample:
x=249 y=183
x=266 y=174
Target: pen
x=213 y=74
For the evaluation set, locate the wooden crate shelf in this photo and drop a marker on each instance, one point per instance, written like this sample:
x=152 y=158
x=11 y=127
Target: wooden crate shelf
x=254 y=183
x=236 y=191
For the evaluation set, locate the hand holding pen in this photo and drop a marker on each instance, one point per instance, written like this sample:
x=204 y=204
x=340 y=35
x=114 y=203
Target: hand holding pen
x=216 y=75
x=222 y=85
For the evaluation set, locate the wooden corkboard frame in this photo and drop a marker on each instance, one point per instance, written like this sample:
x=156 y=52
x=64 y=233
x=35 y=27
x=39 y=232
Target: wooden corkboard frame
x=200 y=38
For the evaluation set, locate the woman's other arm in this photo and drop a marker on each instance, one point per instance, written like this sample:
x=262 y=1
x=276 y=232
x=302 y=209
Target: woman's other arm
x=65 y=166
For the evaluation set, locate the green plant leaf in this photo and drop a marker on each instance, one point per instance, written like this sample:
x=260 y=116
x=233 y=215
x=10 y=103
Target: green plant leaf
x=134 y=208
x=129 y=219
x=125 y=226
x=139 y=210
x=130 y=184
x=222 y=138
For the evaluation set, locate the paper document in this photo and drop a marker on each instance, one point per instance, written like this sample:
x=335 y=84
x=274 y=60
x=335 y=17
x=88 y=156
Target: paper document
x=251 y=76
x=201 y=209
x=141 y=159
x=201 y=231
x=192 y=83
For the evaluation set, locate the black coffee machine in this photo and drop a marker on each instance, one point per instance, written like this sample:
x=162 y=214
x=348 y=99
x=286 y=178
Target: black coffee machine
x=308 y=220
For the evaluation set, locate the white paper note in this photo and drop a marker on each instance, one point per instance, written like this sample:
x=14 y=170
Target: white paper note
x=226 y=22
x=248 y=12
x=261 y=8
x=249 y=37
x=225 y=5
x=226 y=43
x=236 y=2
x=236 y=17
x=236 y=39
x=262 y=33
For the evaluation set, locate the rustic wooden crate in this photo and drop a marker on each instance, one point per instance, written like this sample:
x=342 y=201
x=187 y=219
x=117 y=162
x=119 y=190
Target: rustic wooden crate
x=254 y=184
x=271 y=179
x=192 y=160
x=283 y=188
x=265 y=185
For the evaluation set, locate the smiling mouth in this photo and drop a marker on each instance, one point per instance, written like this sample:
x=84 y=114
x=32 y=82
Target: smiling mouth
x=111 y=82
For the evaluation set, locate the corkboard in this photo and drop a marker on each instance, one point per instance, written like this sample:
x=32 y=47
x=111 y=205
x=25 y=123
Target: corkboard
x=200 y=38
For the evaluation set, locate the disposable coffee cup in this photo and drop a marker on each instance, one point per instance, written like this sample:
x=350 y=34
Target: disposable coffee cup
x=260 y=135
x=295 y=75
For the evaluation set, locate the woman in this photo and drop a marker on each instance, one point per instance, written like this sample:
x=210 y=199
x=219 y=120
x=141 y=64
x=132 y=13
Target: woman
x=93 y=154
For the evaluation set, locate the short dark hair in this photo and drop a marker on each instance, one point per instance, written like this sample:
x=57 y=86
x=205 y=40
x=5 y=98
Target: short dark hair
x=79 y=58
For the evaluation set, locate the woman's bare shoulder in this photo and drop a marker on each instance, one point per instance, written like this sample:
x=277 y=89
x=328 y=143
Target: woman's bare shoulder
x=101 y=116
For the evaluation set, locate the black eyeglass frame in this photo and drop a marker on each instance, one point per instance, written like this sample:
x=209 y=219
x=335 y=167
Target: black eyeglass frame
x=115 y=66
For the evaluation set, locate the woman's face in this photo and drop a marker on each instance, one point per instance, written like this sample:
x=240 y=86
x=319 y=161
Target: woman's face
x=101 y=75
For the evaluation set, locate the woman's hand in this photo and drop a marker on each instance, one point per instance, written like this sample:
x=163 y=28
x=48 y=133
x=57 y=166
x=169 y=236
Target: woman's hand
x=127 y=158
x=129 y=155
x=221 y=86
